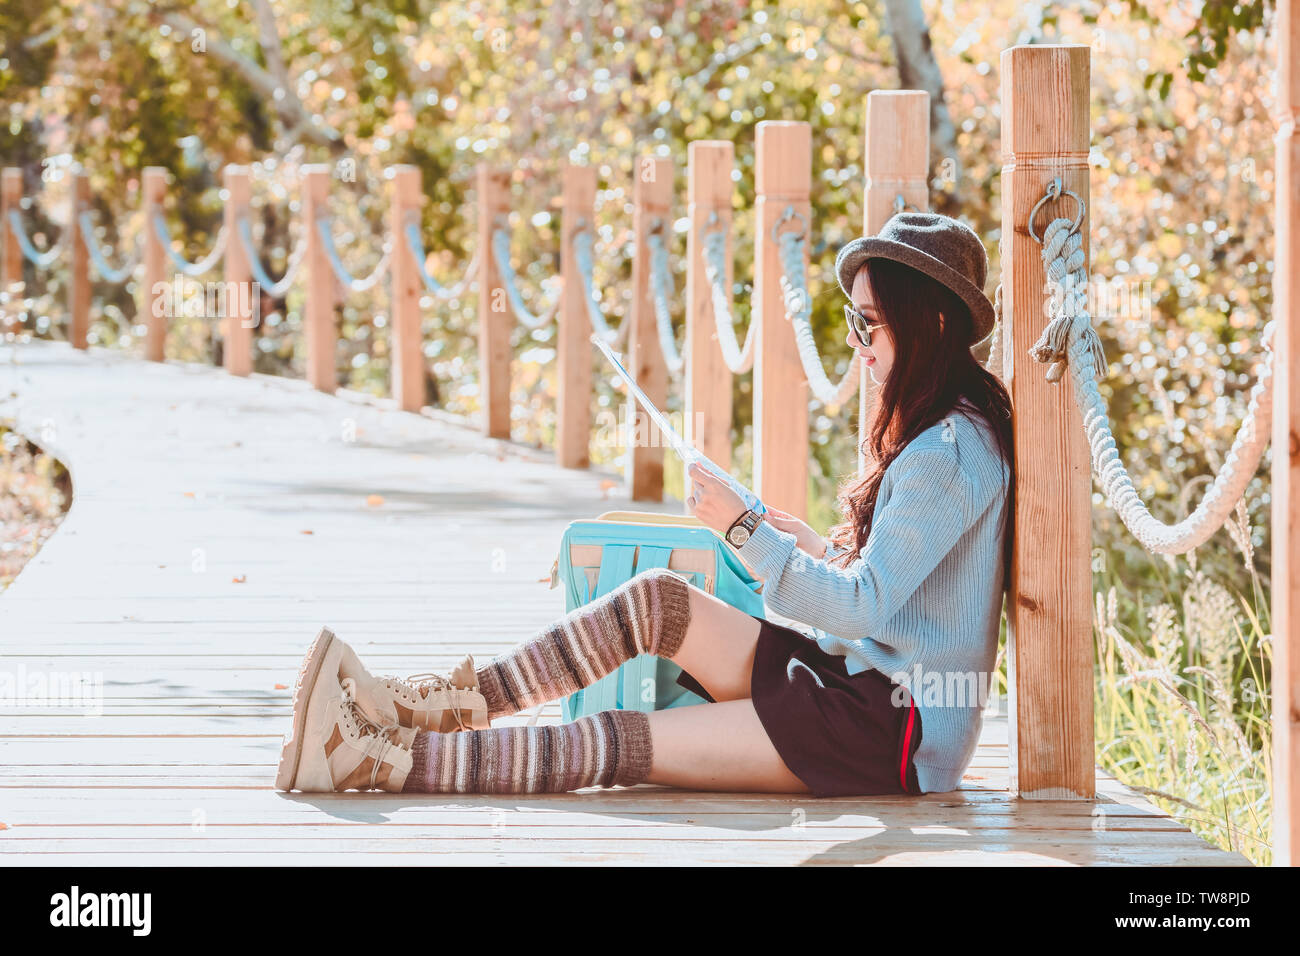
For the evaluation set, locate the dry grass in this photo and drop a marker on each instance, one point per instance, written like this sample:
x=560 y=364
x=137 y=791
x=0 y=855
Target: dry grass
x=34 y=495
x=1182 y=710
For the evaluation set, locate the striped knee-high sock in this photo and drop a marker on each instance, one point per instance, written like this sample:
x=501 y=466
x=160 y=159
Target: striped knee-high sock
x=646 y=614
x=605 y=749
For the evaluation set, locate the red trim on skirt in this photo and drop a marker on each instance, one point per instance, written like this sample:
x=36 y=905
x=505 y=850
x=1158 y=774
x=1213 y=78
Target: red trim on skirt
x=907 y=739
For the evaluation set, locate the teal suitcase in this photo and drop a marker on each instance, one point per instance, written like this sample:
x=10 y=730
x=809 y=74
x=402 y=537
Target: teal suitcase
x=599 y=554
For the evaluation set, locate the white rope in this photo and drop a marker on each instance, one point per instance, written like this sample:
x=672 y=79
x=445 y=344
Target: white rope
x=660 y=284
x=996 y=346
x=191 y=269
x=274 y=289
x=739 y=360
x=42 y=260
x=324 y=226
x=798 y=308
x=1070 y=341
x=583 y=258
x=99 y=258
x=430 y=283
x=501 y=253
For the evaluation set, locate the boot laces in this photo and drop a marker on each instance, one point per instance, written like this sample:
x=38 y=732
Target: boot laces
x=426 y=684
x=421 y=685
x=379 y=738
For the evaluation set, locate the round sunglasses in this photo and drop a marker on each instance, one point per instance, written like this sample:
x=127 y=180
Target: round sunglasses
x=859 y=324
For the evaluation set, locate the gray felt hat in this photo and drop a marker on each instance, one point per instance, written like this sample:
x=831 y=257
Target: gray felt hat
x=939 y=246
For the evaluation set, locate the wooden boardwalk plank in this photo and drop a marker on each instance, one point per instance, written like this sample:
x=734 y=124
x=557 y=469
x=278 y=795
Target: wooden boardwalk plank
x=185 y=584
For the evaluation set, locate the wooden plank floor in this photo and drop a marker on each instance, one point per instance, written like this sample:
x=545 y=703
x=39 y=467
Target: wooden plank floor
x=218 y=522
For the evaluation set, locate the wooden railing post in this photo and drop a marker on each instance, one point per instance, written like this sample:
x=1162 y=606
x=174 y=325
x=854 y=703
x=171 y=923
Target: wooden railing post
x=154 y=180
x=707 y=379
x=1285 y=528
x=897 y=152
x=11 y=260
x=1049 y=609
x=78 y=265
x=494 y=316
x=320 y=283
x=407 y=339
x=652 y=198
x=242 y=296
x=783 y=179
x=573 y=419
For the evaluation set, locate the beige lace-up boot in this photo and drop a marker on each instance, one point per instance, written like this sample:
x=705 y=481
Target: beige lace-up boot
x=423 y=701
x=333 y=745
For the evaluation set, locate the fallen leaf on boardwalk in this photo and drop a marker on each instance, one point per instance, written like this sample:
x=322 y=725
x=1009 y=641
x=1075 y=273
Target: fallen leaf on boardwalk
x=281 y=686
x=306 y=532
x=375 y=501
x=4 y=826
x=239 y=580
x=189 y=494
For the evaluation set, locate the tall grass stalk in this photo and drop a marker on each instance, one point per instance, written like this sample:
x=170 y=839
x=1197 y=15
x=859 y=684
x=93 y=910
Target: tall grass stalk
x=1182 y=707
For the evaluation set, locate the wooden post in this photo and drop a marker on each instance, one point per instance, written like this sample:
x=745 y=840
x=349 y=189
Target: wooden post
x=321 y=283
x=407 y=339
x=897 y=152
x=11 y=260
x=652 y=197
x=707 y=379
x=494 y=316
x=1049 y=609
x=1286 y=446
x=783 y=178
x=154 y=180
x=573 y=419
x=78 y=265
x=242 y=296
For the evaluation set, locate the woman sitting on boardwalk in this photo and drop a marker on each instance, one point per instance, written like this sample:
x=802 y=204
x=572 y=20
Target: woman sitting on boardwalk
x=908 y=587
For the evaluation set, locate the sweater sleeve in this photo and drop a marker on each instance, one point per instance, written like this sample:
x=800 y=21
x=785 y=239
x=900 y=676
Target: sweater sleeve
x=931 y=505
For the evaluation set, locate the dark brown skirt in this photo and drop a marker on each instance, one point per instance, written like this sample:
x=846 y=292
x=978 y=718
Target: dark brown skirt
x=841 y=735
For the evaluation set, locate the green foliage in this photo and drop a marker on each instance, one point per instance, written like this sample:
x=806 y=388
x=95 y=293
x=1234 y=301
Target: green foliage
x=1207 y=39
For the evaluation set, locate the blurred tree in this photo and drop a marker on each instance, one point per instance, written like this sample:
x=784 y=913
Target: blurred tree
x=919 y=70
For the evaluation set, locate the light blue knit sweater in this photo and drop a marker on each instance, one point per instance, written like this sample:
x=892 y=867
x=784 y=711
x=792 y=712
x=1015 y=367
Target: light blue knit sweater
x=923 y=603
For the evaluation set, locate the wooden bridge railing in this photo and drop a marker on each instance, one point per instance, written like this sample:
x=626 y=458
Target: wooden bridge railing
x=1045 y=133
x=897 y=166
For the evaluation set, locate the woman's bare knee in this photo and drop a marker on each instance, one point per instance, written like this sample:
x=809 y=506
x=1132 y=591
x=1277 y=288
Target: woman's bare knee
x=718 y=646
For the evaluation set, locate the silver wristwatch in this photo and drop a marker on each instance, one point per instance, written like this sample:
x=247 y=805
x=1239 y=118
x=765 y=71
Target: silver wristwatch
x=742 y=528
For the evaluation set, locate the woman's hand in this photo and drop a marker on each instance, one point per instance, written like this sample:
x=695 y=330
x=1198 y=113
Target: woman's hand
x=805 y=538
x=712 y=500
x=714 y=503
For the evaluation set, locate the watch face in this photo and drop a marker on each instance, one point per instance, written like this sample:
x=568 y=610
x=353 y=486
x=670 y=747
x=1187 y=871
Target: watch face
x=738 y=536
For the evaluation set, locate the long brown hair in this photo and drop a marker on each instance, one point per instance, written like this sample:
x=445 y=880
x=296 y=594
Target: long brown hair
x=932 y=371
